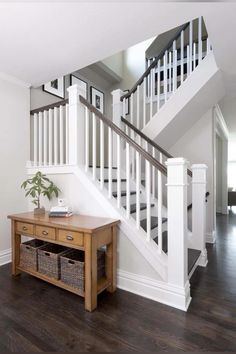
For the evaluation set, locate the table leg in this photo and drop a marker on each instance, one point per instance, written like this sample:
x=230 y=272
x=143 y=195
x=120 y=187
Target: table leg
x=15 y=242
x=111 y=260
x=90 y=272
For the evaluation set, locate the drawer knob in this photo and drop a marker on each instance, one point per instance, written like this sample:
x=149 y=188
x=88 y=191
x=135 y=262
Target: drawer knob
x=24 y=228
x=45 y=232
x=69 y=238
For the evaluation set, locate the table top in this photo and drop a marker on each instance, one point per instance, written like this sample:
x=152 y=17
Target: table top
x=83 y=223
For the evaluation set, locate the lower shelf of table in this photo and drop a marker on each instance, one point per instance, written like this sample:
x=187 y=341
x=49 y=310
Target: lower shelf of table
x=102 y=283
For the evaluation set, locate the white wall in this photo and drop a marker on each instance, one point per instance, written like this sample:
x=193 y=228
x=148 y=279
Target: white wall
x=115 y=63
x=197 y=145
x=14 y=152
x=218 y=174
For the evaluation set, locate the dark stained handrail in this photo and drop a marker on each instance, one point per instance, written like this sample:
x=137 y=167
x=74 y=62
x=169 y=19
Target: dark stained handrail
x=152 y=143
x=49 y=106
x=118 y=131
x=154 y=63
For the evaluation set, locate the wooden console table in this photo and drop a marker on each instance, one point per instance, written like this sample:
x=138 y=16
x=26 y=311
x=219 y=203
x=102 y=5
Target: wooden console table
x=81 y=232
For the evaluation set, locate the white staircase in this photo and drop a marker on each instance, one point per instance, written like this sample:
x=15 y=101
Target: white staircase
x=130 y=178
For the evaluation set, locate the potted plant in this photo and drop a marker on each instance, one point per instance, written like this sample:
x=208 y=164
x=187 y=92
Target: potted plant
x=37 y=186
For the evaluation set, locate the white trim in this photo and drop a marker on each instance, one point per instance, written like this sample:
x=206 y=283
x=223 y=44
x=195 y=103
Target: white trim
x=50 y=170
x=210 y=237
x=14 y=80
x=154 y=289
x=221 y=127
x=5 y=256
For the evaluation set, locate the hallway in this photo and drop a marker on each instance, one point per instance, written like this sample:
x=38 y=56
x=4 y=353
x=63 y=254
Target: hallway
x=35 y=316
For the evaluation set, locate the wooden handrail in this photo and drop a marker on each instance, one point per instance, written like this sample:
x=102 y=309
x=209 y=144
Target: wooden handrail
x=118 y=131
x=154 y=63
x=49 y=106
x=151 y=142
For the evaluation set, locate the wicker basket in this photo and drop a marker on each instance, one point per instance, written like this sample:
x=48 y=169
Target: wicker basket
x=72 y=268
x=28 y=254
x=49 y=260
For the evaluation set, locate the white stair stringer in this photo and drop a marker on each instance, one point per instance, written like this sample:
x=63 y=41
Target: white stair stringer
x=148 y=249
x=197 y=94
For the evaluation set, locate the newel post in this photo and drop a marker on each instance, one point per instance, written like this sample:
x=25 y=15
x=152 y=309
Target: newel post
x=177 y=229
x=117 y=112
x=198 y=239
x=76 y=125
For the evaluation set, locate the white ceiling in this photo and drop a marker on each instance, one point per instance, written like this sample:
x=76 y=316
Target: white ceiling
x=40 y=41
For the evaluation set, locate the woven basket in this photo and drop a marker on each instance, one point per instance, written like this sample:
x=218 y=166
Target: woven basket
x=49 y=260
x=73 y=269
x=28 y=254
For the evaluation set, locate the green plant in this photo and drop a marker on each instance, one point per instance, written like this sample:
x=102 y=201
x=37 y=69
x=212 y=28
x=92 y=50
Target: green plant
x=39 y=185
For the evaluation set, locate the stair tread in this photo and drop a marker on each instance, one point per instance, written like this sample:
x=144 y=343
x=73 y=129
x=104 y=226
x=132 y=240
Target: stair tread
x=143 y=206
x=106 y=180
x=193 y=255
x=154 y=222
x=106 y=167
x=123 y=193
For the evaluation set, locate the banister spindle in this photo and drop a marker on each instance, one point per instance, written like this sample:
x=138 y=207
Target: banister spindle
x=151 y=93
x=144 y=101
x=94 y=146
x=182 y=56
x=190 y=45
x=158 y=85
x=124 y=114
x=55 y=120
x=45 y=137
x=109 y=162
x=127 y=180
x=138 y=158
x=199 y=39
x=101 y=154
x=50 y=137
x=40 y=137
x=148 y=198
x=35 y=139
x=165 y=75
x=174 y=67
x=138 y=110
x=67 y=134
x=61 y=114
x=132 y=132
x=188 y=61
x=86 y=139
x=170 y=73
x=118 y=172
x=194 y=56
x=159 y=206
x=153 y=176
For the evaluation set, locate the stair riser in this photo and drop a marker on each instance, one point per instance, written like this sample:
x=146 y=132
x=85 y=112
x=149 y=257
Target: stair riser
x=105 y=173
x=143 y=214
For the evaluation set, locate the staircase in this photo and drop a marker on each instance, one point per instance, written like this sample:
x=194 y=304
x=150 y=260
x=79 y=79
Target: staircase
x=131 y=176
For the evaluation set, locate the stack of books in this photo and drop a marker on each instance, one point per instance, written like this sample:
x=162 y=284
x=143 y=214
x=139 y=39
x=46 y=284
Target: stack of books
x=60 y=211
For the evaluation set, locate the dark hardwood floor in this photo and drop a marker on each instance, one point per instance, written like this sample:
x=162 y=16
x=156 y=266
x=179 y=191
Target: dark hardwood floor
x=35 y=316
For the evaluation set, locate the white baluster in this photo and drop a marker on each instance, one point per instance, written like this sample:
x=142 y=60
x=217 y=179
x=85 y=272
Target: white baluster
x=35 y=139
x=137 y=190
x=109 y=162
x=61 y=115
x=151 y=93
x=138 y=103
x=182 y=56
x=190 y=45
x=174 y=67
x=67 y=134
x=148 y=198
x=94 y=146
x=188 y=60
x=124 y=115
x=86 y=139
x=50 y=133
x=170 y=73
x=101 y=154
x=118 y=173
x=45 y=137
x=165 y=76
x=144 y=101
x=158 y=85
x=40 y=138
x=199 y=39
x=55 y=135
x=127 y=180
x=194 y=56
x=153 y=176
x=132 y=132
x=159 y=206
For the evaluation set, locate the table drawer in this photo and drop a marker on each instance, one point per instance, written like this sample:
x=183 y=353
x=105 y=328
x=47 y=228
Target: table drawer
x=25 y=228
x=45 y=232
x=75 y=238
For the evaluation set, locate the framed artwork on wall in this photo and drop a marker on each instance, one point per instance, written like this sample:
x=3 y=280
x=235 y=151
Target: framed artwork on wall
x=75 y=80
x=55 y=87
x=97 y=99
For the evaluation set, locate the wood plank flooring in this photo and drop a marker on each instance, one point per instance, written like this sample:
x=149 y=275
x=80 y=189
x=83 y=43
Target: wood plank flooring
x=38 y=317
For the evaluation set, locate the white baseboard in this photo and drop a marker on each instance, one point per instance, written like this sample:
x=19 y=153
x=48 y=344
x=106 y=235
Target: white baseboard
x=155 y=290
x=5 y=257
x=210 y=237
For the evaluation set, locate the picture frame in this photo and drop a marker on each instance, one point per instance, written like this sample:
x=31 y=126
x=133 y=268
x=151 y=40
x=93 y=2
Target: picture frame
x=55 y=87
x=97 y=99
x=76 y=80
